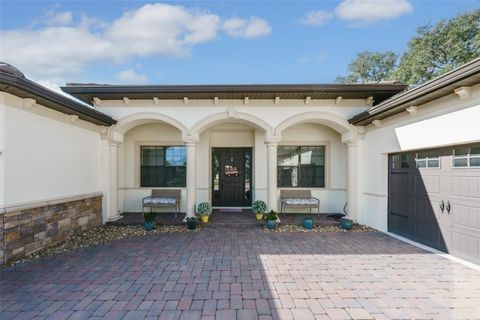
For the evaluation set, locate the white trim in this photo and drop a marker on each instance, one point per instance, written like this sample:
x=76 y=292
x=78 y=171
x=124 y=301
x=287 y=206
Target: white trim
x=435 y=251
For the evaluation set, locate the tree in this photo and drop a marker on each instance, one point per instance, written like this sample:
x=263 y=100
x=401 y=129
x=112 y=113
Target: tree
x=433 y=51
x=438 y=49
x=370 y=66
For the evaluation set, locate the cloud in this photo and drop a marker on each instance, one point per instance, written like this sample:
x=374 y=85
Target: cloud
x=359 y=12
x=130 y=76
x=316 y=18
x=60 y=18
x=63 y=46
x=162 y=29
x=247 y=29
x=370 y=11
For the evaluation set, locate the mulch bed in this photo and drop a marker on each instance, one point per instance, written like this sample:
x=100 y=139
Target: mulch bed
x=318 y=228
x=98 y=235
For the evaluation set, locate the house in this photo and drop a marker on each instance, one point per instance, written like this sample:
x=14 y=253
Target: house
x=402 y=161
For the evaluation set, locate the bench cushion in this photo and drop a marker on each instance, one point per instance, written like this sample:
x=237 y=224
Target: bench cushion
x=300 y=201
x=160 y=201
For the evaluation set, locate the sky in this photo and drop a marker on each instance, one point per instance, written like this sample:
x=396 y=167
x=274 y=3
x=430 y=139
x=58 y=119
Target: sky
x=206 y=42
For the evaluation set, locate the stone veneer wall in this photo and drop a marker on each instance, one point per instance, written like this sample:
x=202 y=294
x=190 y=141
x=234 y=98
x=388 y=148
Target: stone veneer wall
x=27 y=228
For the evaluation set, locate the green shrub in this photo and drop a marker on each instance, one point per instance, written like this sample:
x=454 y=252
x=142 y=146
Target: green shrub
x=149 y=216
x=272 y=215
x=259 y=206
x=204 y=208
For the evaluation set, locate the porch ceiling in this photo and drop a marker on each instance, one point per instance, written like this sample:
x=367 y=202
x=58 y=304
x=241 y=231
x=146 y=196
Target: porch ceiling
x=379 y=91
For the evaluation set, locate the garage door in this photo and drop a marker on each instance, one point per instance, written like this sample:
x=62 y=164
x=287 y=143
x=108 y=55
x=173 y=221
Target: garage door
x=434 y=198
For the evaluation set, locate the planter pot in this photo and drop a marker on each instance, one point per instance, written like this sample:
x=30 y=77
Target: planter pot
x=308 y=223
x=346 y=224
x=271 y=224
x=149 y=225
x=204 y=219
x=191 y=225
x=259 y=216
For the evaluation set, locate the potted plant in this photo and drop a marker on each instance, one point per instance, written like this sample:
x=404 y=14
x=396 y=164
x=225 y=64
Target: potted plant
x=271 y=219
x=259 y=208
x=204 y=209
x=308 y=223
x=346 y=224
x=192 y=223
x=149 y=221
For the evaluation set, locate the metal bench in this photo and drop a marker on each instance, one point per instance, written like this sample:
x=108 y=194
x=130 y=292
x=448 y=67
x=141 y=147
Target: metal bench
x=299 y=199
x=163 y=198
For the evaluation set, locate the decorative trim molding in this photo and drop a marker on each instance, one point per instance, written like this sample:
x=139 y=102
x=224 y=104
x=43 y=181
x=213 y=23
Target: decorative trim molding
x=48 y=202
x=463 y=92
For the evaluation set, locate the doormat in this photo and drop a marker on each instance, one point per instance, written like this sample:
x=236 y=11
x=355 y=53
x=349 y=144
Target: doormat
x=230 y=210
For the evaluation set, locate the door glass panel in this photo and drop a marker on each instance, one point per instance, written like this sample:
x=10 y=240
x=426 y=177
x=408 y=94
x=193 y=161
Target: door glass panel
x=433 y=163
x=462 y=162
x=421 y=163
x=475 y=162
x=248 y=174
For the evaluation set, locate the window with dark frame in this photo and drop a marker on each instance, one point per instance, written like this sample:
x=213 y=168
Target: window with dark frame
x=163 y=166
x=301 y=166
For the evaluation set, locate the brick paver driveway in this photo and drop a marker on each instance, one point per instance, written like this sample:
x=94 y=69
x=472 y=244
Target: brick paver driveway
x=245 y=274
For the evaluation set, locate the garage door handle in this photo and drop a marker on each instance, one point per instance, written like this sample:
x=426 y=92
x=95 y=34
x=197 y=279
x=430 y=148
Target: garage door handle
x=442 y=205
x=448 y=207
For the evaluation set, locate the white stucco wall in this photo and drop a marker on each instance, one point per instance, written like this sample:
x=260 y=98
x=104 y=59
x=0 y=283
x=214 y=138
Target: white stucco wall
x=443 y=122
x=44 y=156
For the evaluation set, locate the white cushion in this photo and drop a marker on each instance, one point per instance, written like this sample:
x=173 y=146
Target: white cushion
x=171 y=201
x=300 y=201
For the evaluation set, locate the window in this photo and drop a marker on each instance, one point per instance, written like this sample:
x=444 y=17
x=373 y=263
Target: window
x=401 y=161
x=466 y=157
x=428 y=159
x=301 y=166
x=163 y=166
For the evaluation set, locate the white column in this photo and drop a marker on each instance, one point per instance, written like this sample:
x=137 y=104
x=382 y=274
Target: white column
x=191 y=178
x=113 y=181
x=272 y=175
x=352 y=160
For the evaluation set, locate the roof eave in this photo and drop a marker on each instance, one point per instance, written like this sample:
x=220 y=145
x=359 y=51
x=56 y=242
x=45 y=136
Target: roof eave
x=65 y=105
x=402 y=100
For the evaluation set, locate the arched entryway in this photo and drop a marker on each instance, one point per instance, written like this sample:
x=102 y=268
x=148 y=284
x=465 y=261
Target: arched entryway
x=332 y=141
x=139 y=150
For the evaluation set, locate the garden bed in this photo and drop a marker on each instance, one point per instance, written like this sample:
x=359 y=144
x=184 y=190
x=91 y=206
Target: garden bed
x=98 y=235
x=318 y=228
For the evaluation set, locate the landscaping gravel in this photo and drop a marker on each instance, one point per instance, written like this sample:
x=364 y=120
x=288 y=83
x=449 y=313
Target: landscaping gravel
x=318 y=228
x=98 y=235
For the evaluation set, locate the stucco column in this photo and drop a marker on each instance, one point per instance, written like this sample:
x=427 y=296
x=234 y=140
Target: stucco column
x=191 y=177
x=272 y=175
x=113 y=181
x=352 y=160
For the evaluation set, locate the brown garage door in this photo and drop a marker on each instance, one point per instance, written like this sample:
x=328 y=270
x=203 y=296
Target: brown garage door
x=434 y=198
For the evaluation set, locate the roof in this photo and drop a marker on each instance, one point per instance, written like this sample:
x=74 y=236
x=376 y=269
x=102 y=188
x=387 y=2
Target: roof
x=464 y=76
x=22 y=87
x=379 y=91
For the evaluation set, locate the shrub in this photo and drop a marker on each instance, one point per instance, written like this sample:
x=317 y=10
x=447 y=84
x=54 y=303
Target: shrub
x=149 y=216
x=204 y=208
x=259 y=206
x=272 y=215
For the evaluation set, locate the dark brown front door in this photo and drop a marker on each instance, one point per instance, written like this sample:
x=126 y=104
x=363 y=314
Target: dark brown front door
x=232 y=176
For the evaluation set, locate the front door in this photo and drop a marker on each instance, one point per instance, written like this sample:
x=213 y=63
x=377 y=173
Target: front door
x=232 y=177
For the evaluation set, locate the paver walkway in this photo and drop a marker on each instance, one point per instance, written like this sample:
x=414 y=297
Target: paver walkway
x=239 y=273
